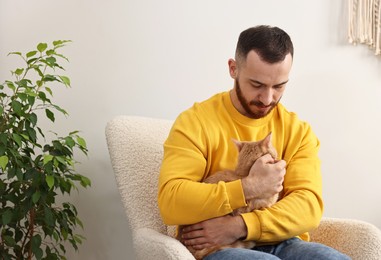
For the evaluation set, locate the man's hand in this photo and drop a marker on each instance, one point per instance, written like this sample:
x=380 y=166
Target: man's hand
x=216 y=231
x=265 y=178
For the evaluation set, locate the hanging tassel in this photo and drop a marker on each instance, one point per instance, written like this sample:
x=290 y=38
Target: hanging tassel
x=364 y=23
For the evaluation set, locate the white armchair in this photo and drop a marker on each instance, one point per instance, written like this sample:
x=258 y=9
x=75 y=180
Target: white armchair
x=136 y=148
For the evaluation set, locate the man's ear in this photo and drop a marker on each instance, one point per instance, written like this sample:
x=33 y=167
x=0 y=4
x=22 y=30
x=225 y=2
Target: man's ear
x=233 y=68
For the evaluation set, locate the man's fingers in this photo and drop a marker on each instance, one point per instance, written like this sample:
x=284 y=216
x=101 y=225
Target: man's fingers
x=194 y=241
x=266 y=159
x=202 y=246
x=191 y=228
x=281 y=163
x=192 y=234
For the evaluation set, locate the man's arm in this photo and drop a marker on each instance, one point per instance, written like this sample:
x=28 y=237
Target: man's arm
x=209 y=233
x=182 y=198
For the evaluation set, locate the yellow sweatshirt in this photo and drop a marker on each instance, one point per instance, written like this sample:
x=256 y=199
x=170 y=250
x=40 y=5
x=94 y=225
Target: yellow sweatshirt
x=199 y=144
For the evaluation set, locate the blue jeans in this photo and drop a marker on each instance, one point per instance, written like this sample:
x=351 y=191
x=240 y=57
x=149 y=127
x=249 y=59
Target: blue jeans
x=291 y=249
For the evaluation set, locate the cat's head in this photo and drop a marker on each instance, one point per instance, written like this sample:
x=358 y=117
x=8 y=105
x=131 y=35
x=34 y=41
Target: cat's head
x=250 y=151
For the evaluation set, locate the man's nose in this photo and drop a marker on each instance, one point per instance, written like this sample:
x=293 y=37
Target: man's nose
x=266 y=96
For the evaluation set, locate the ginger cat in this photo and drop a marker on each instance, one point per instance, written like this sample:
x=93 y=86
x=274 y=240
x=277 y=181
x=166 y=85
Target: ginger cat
x=249 y=152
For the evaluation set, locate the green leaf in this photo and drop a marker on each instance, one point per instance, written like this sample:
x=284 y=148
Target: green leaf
x=50 y=181
x=3 y=161
x=15 y=53
x=36 y=196
x=81 y=141
x=25 y=137
x=78 y=239
x=69 y=141
x=60 y=43
x=39 y=83
x=41 y=47
x=65 y=80
x=49 y=91
x=33 y=119
x=40 y=131
x=62 y=247
x=85 y=181
x=51 y=61
x=49 y=217
x=2 y=151
x=50 y=114
x=31 y=54
x=47 y=158
x=64 y=233
x=9 y=241
x=50 y=52
x=62 y=56
x=24 y=83
x=19 y=71
x=32 y=60
x=79 y=222
x=55 y=236
x=11 y=85
x=17 y=139
x=42 y=96
x=31 y=99
x=36 y=244
x=63 y=111
x=61 y=159
x=17 y=107
x=37 y=69
x=31 y=92
x=23 y=96
x=3 y=138
x=7 y=217
x=32 y=135
x=49 y=78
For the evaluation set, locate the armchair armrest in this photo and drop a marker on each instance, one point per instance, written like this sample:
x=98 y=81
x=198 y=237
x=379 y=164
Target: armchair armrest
x=152 y=245
x=357 y=239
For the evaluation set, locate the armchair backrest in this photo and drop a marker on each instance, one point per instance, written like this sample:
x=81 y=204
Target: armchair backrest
x=136 y=149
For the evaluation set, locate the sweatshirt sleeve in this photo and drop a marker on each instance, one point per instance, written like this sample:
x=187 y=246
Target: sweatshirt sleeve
x=182 y=197
x=301 y=207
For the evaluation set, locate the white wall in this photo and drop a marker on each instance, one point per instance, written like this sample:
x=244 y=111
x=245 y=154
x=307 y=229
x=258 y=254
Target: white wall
x=155 y=58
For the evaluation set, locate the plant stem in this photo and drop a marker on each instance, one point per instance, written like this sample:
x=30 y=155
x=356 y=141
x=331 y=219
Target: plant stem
x=31 y=231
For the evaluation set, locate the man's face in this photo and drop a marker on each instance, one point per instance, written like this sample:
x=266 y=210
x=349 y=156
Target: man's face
x=258 y=85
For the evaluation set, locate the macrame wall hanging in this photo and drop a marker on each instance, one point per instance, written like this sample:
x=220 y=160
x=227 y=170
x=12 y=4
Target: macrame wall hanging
x=365 y=23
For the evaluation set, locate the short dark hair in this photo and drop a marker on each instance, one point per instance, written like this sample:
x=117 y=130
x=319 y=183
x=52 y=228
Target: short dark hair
x=272 y=44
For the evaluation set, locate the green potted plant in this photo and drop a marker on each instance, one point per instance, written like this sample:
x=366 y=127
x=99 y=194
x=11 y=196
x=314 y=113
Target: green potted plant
x=36 y=165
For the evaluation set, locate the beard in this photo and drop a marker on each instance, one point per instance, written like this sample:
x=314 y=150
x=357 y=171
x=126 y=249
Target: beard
x=248 y=105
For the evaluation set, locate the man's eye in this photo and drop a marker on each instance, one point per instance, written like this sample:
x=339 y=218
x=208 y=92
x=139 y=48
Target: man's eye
x=256 y=86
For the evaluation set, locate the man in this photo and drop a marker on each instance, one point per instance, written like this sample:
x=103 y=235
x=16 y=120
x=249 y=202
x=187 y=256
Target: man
x=200 y=145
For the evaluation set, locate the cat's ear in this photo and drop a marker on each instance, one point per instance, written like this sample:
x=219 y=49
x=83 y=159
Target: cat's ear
x=267 y=140
x=238 y=144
